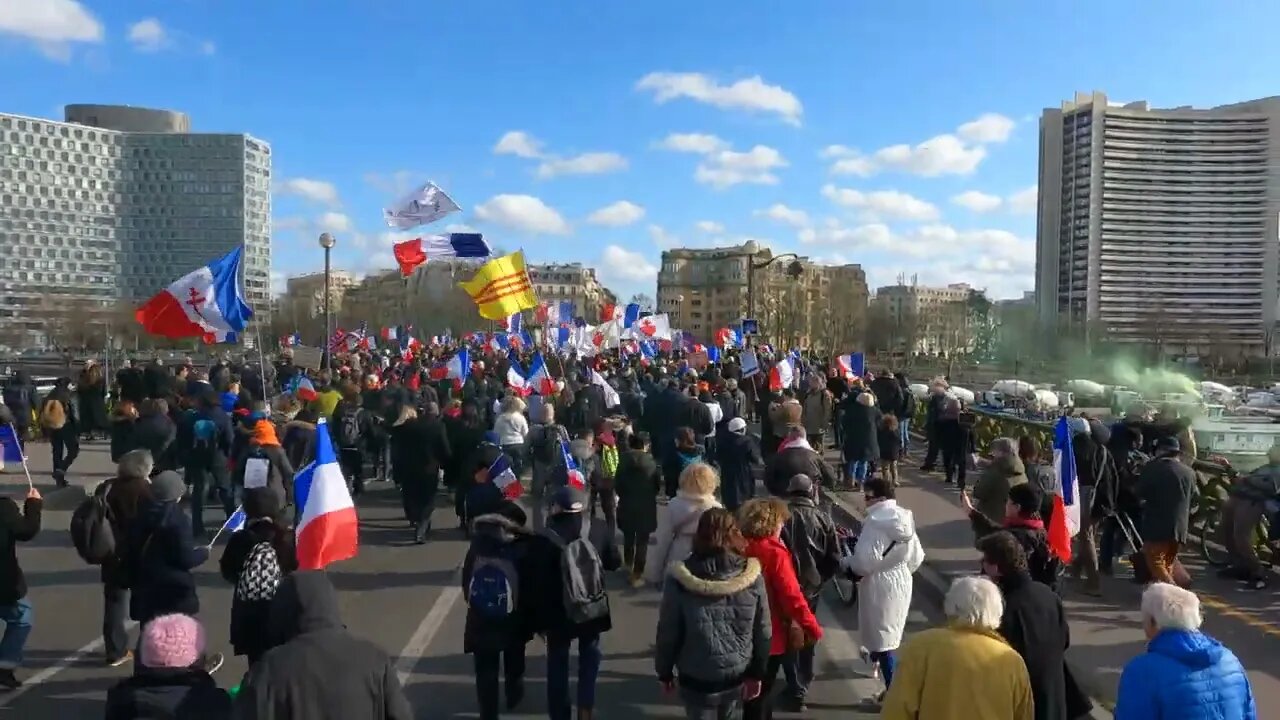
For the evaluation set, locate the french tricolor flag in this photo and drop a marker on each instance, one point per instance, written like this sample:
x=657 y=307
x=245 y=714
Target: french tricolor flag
x=204 y=303
x=455 y=368
x=412 y=253
x=328 y=529
x=539 y=379
x=1066 y=503
x=513 y=324
x=390 y=334
x=504 y=478
x=576 y=478
x=515 y=376
x=851 y=364
x=782 y=376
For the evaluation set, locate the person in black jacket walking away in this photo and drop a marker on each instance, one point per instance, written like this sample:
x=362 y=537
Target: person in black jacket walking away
x=1035 y=625
x=257 y=558
x=905 y=412
x=155 y=432
x=169 y=682
x=497 y=583
x=61 y=424
x=810 y=535
x=204 y=440
x=569 y=604
x=15 y=526
x=713 y=625
x=352 y=426
x=890 y=441
x=637 y=483
x=318 y=669
x=740 y=461
x=419 y=449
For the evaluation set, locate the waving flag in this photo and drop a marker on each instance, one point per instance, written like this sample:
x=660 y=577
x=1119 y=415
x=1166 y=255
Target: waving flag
x=328 y=529
x=515 y=376
x=390 y=334
x=456 y=368
x=630 y=315
x=502 y=476
x=539 y=378
x=412 y=253
x=851 y=364
x=10 y=444
x=204 y=303
x=1066 y=503
x=783 y=375
x=423 y=206
x=514 y=323
x=611 y=399
x=502 y=287
x=652 y=327
x=576 y=478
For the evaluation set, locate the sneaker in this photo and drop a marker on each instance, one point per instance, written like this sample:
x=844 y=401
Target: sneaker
x=124 y=659
x=9 y=681
x=1257 y=583
x=212 y=663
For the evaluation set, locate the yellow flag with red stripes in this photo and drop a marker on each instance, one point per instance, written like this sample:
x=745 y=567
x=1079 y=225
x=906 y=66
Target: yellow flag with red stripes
x=501 y=287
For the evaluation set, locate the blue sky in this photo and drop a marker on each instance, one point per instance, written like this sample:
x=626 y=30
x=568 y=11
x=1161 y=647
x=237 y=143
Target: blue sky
x=903 y=138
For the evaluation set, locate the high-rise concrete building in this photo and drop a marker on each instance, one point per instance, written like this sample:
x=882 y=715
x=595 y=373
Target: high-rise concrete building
x=705 y=289
x=1161 y=225
x=112 y=204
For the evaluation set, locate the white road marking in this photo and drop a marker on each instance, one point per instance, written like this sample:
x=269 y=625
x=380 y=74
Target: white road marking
x=47 y=674
x=426 y=632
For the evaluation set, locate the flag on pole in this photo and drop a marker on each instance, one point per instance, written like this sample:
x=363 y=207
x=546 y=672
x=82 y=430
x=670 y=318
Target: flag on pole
x=501 y=287
x=852 y=364
x=412 y=253
x=539 y=380
x=576 y=478
x=423 y=206
x=204 y=303
x=504 y=478
x=328 y=529
x=1066 y=502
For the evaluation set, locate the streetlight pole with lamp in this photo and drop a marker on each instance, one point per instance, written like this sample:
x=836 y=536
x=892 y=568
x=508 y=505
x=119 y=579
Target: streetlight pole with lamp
x=327 y=241
x=751 y=248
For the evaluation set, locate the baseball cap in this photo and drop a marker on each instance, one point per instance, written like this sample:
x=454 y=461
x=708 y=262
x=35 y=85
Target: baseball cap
x=737 y=425
x=1168 y=445
x=567 y=500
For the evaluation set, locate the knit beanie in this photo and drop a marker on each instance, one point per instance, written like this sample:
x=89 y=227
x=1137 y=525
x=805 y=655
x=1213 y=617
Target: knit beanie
x=172 y=641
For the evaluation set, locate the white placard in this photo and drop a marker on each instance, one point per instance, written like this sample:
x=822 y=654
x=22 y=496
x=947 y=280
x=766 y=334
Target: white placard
x=256 y=471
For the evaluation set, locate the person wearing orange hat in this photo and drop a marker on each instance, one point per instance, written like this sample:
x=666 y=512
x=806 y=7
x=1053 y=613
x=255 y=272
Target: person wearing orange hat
x=263 y=462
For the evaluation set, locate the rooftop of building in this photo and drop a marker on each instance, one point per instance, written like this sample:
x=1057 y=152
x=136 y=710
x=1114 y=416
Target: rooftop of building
x=1083 y=100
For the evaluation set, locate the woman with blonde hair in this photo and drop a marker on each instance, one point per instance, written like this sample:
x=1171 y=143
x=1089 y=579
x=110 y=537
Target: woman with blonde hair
x=512 y=429
x=678 y=522
x=794 y=624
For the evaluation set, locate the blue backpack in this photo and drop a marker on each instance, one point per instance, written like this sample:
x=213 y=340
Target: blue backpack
x=204 y=435
x=494 y=588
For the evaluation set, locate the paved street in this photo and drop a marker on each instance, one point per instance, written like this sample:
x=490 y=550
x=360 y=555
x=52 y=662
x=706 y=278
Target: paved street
x=1106 y=632
x=402 y=596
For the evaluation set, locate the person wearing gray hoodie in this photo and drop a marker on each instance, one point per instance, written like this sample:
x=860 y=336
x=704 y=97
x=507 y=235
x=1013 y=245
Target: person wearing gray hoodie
x=713 y=627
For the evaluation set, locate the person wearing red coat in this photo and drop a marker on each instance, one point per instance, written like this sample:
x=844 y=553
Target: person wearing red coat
x=762 y=520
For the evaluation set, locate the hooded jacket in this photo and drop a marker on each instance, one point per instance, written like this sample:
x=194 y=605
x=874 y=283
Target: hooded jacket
x=992 y=489
x=495 y=535
x=887 y=554
x=546 y=609
x=810 y=535
x=318 y=669
x=1185 y=675
x=262 y=435
x=677 y=524
x=637 y=483
x=168 y=694
x=1035 y=625
x=161 y=555
x=713 y=626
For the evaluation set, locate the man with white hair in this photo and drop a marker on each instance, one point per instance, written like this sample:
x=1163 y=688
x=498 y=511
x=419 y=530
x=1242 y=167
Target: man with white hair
x=965 y=669
x=1184 y=674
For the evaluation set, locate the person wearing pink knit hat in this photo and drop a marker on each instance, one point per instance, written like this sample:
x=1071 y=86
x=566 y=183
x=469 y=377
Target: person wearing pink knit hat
x=170 y=677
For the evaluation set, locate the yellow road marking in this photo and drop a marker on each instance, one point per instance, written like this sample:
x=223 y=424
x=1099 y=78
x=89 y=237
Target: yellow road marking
x=1225 y=608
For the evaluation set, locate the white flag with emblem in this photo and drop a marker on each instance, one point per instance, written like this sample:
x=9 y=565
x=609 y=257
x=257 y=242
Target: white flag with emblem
x=423 y=206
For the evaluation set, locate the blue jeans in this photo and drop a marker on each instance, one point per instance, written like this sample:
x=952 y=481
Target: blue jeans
x=17 y=628
x=559 y=706
x=858 y=469
x=888 y=662
x=904 y=433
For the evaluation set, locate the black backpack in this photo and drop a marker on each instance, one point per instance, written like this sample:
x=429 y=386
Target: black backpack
x=546 y=447
x=349 y=426
x=91 y=530
x=17 y=396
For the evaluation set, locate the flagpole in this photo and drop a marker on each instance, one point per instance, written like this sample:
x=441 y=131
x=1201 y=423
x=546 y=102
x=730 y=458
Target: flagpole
x=224 y=527
x=23 y=451
x=262 y=365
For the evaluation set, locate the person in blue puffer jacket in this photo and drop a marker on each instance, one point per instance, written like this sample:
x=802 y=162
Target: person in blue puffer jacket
x=1185 y=674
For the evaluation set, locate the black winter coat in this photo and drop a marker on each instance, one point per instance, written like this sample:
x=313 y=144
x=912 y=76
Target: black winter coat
x=1035 y=625
x=419 y=450
x=156 y=433
x=713 y=625
x=318 y=669
x=250 y=619
x=740 y=462
x=637 y=483
x=547 y=613
x=858 y=425
x=161 y=555
x=810 y=535
x=792 y=461
x=168 y=694
x=15 y=527
x=494 y=535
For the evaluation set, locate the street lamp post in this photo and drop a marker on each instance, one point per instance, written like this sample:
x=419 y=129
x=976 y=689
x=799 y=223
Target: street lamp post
x=327 y=242
x=751 y=248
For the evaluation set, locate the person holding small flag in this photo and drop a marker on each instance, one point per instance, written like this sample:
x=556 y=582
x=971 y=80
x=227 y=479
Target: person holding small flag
x=16 y=525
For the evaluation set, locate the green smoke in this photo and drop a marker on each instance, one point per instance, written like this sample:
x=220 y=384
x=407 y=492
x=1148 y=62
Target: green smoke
x=1151 y=382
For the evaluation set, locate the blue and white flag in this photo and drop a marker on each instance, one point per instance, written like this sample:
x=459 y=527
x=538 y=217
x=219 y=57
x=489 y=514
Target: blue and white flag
x=423 y=206
x=236 y=521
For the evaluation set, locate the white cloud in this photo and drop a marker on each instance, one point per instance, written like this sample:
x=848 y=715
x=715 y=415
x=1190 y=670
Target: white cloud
x=148 y=35
x=279 y=282
x=592 y=163
x=317 y=191
x=785 y=215
x=749 y=94
x=1025 y=201
x=978 y=202
x=395 y=183
x=726 y=168
x=520 y=144
x=987 y=128
x=289 y=223
x=662 y=238
x=208 y=47
x=333 y=222
x=626 y=265
x=523 y=213
x=699 y=143
x=880 y=204
x=53 y=25
x=711 y=227
x=617 y=214
x=946 y=154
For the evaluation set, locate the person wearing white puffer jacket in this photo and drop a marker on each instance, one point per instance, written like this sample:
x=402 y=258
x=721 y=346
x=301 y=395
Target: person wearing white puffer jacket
x=678 y=521
x=887 y=554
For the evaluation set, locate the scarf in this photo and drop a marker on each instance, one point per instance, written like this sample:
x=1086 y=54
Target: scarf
x=795 y=443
